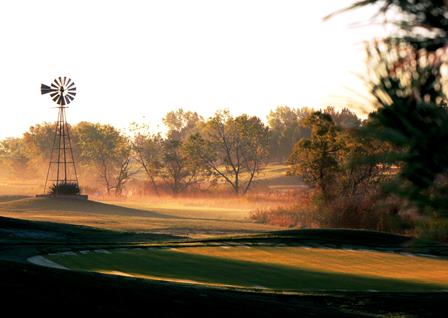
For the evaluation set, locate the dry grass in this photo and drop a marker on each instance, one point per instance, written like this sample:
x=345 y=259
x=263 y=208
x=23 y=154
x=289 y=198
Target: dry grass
x=197 y=214
x=296 y=211
x=135 y=216
x=271 y=178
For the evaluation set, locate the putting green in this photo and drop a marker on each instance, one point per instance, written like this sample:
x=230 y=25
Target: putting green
x=280 y=268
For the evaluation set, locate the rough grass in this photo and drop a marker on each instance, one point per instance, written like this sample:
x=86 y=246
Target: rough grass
x=191 y=208
x=274 y=176
x=289 y=268
x=138 y=218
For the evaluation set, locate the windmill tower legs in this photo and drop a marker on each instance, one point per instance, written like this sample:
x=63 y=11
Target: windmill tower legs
x=61 y=169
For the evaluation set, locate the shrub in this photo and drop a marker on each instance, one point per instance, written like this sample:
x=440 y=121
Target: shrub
x=433 y=229
x=348 y=212
x=68 y=188
x=364 y=212
x=293 y=216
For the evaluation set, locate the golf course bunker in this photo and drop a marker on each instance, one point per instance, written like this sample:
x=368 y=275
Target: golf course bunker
x=285 y=269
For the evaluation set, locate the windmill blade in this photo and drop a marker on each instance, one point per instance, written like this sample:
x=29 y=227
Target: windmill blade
x=45 y=89
x=55 y=96
x=54 y=86
x=71 y=85
x=69 y=98
x=54 y=92
x=60 y=81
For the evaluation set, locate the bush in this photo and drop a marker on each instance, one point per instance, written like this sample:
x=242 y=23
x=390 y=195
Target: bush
x=348 y=212
x=364 y=212
x=433 y=229
x=69 y=188
x=294 y=216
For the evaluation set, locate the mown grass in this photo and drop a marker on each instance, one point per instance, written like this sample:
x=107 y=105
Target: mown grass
x=256 y=267
x=356 y=262
x=27 y=289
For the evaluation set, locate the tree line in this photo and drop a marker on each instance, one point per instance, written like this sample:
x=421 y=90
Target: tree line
x=194 y=152
x=360 y=171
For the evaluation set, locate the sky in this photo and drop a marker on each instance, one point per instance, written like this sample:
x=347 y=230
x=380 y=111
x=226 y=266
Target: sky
x=133 y=61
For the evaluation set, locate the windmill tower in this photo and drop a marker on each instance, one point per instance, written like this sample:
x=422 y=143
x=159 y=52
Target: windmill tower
x=62 y=178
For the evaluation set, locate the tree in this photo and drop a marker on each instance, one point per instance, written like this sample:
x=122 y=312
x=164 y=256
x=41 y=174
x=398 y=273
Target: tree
x=166 y=158
x=423 y=24
x=332 y=159
x=178 y=169
x=358 y=175
x=148 y=149
x=345 y=119
x=39 y=141
x=104 y=147
x=407 y=84
x=14 y=157
x=181 y=124
x=315 y=159
x=231 y=148
x=286 y=130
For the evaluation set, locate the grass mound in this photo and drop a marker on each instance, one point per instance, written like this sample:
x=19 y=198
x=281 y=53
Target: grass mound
x=70 y=205
x=6 y=198
x=19 y=231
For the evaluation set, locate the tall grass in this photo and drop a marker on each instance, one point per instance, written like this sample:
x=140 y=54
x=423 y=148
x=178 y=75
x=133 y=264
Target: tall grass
x=296 y=211
x=356 y=212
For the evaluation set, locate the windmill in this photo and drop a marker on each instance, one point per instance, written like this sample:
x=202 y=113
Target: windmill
x=61 y=169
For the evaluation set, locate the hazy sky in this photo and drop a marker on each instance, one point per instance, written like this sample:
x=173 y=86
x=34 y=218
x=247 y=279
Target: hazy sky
x=136 y=60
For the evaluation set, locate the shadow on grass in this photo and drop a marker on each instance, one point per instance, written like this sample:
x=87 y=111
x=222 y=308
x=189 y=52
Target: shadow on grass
x=69 y=205
x=18 y=231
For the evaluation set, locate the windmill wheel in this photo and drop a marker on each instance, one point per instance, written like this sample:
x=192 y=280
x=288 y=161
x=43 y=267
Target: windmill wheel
x=62 y=90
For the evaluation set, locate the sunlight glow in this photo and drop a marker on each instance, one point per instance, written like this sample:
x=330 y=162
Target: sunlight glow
x=136 y=60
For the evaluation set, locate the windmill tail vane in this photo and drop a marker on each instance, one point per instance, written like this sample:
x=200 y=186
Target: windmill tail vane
x=61 y=168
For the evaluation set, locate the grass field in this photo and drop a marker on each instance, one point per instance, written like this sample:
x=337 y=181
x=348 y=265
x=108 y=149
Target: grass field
x=280 y=268
x=137 y=216
x=175 y=251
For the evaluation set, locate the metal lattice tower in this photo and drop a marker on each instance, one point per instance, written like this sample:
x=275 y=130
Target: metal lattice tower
x=61 y=169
